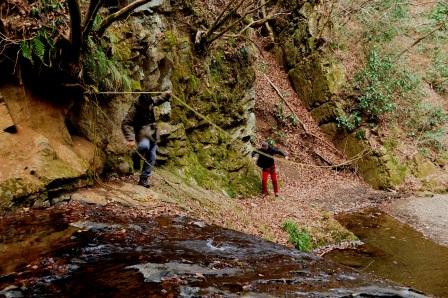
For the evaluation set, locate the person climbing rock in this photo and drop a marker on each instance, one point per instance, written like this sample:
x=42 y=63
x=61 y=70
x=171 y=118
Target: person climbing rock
x=267 y=165
x=139 y=128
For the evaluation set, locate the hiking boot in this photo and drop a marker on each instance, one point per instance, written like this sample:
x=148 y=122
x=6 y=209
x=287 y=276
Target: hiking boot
x=144 y=182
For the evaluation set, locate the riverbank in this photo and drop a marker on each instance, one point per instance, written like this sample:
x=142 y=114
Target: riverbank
x=310 y=207
x=394 y=251
x=428 y=215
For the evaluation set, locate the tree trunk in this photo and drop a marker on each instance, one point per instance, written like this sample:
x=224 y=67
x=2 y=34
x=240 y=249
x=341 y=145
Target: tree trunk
x=75 y=31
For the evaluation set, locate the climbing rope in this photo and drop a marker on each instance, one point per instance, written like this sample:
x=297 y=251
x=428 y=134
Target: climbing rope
x=182 y=102
x=202 y=116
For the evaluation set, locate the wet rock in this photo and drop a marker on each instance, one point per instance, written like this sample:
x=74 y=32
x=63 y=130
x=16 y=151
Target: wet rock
x=60 y=199
x=11 y=292
x=95 y=226
x=41 y=204
x=199 y=224
x=91 y=197
x=163 y=112
x=153 y=272
x=366 y=292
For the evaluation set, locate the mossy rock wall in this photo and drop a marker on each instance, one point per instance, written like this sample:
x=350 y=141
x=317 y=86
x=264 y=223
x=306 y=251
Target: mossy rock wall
x=319 y=80
x=40 y=156
x=158 y=55
x=149 y=51
x=220 y=86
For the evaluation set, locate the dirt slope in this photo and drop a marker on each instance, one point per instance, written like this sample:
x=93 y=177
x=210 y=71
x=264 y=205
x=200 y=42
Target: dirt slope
x=312 y=182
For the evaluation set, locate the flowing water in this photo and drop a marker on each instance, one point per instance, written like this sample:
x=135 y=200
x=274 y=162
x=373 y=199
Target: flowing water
x=395 y=251
x=86 y=251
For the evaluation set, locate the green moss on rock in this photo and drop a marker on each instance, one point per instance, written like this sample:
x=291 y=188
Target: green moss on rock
x=330 y=129
x=422 y=167
x=382 y=171
x=327 y=112
x=310 y=83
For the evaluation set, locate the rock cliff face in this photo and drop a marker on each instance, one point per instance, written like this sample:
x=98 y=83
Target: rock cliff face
x=319 y=79
x=36 y=148
x=57 y=144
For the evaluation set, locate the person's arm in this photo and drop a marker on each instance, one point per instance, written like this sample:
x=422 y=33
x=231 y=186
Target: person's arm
x=254 y=153
x=127 y=125
x=164 y=96
x=279 y=152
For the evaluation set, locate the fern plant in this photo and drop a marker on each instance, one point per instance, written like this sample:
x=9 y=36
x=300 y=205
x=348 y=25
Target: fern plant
x=104 y=72
x=39 y=49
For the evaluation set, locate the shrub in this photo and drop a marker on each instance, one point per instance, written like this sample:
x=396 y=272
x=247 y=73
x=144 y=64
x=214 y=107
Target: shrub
x=434 y=139
x=437 y=75
x=373 y=82
x=440 y=12
x=350 y=122
x=381 y=83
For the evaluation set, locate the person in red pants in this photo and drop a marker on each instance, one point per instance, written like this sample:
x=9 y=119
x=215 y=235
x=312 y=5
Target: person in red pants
x=267 y=164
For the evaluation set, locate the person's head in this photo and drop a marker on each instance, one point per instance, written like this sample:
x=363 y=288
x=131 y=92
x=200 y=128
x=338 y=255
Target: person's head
x=264 y=145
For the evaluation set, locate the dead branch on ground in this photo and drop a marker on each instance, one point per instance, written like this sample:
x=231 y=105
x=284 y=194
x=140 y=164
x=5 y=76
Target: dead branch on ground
x=325 y=142
x=416 y=42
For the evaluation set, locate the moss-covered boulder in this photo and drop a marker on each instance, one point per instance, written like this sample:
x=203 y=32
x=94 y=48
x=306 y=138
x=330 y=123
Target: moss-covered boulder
x=327 y=112
x=422 y=167
x=379 y=168
x=309 y=81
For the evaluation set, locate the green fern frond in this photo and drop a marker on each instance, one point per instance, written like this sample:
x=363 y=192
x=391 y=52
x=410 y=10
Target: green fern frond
x=38 y=48
x=26 y=50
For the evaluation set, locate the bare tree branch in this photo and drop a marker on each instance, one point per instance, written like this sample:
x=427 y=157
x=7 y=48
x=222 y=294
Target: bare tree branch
x=307 y=131
x=219 y=23
x=268 y=27
x=287 y=103
x=327 y=21
x=94 y=8
x=119 y=14
x=232 y=25
x=258 y=23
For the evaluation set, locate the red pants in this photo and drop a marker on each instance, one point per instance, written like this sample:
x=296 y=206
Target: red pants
x=264 y=179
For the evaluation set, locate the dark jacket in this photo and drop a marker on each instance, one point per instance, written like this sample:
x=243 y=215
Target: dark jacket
x=139 y=121
x=264 y=161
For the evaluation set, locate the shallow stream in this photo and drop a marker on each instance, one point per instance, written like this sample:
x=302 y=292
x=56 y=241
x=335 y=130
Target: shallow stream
x=395 y=251
x=112 y=251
